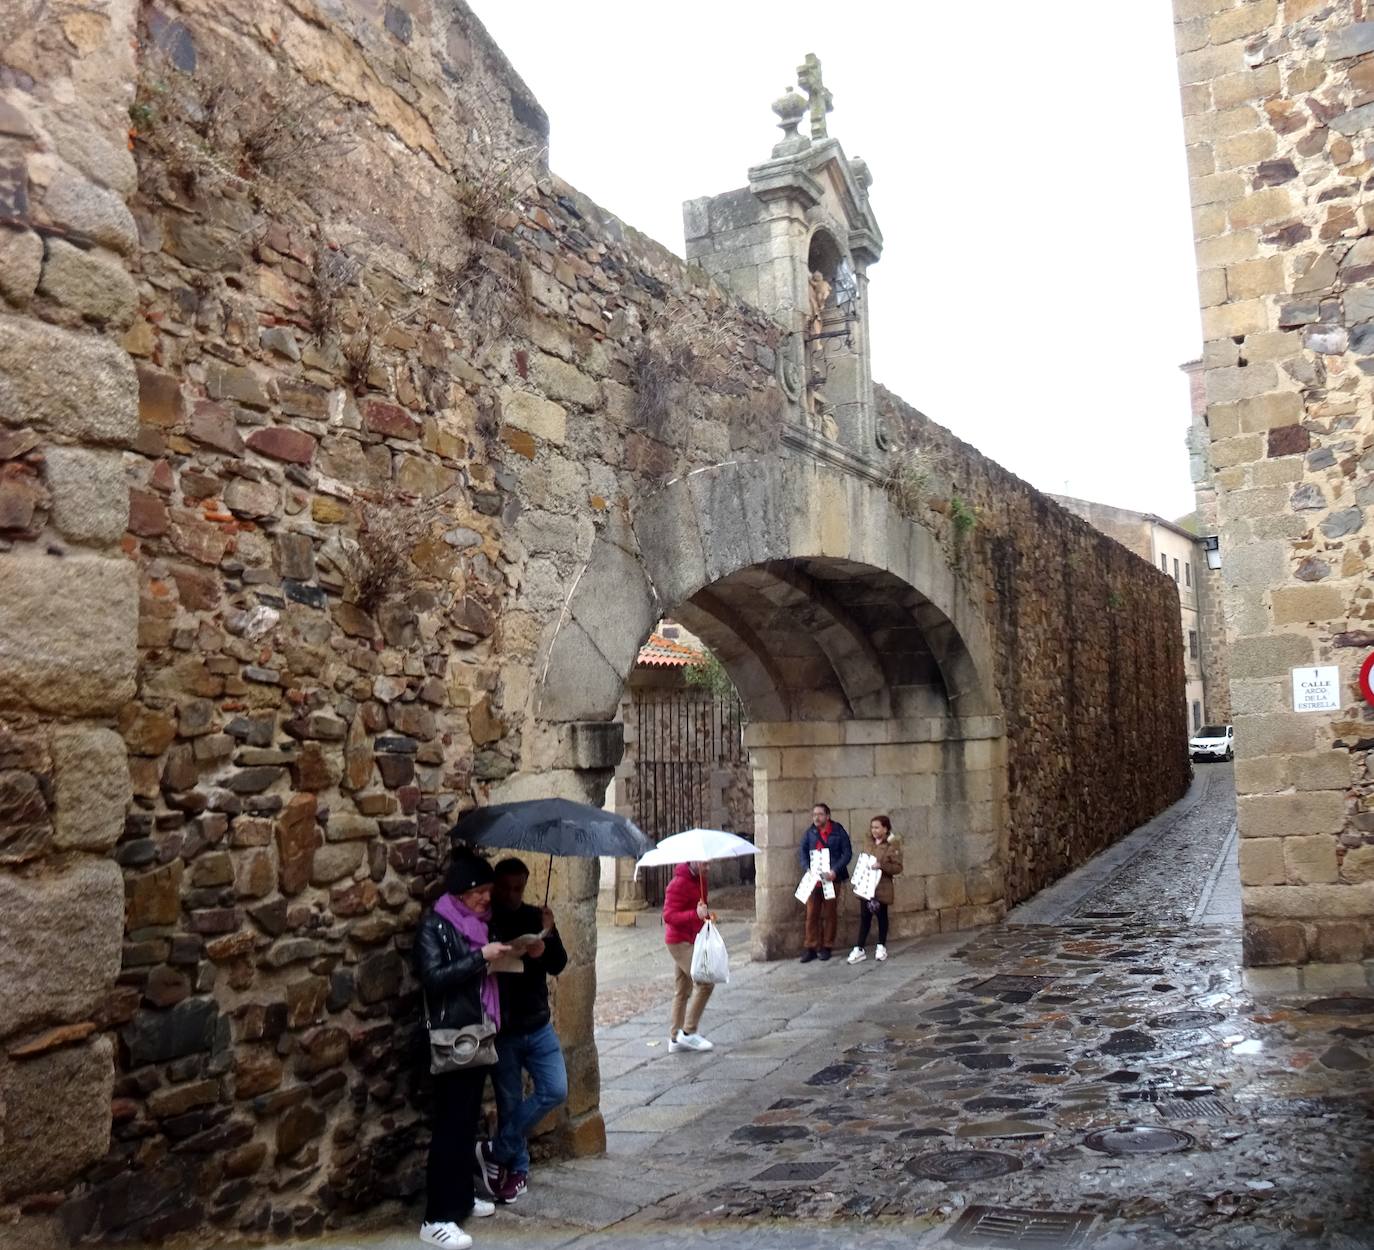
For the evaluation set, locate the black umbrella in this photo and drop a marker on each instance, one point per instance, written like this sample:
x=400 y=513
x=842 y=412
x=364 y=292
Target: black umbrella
x=552 y=827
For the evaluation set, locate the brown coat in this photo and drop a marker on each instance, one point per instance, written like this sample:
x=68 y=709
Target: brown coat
x=889 y=857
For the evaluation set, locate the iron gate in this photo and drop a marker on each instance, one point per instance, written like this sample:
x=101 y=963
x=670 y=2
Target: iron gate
x=683 y=741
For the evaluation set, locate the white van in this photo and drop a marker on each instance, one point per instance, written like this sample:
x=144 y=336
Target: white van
x=1212 y=742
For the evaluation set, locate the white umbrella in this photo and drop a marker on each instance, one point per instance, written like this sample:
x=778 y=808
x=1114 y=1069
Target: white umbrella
x=694 y=845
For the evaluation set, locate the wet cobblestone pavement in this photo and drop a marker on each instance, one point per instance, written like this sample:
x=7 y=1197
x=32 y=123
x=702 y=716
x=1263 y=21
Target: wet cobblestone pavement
x=1127 y=1080
x=1165 y=884
x=1090 y=1074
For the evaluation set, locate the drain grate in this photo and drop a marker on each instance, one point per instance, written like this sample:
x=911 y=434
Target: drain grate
x=1206 y=1108
x=1186 y=1020
x=1307 y=1107
x=1021 y=1229
x=795 y=1172
x=1006 y=984
x=963 y=1165
x=1139 y=1139
x=1346 y=1006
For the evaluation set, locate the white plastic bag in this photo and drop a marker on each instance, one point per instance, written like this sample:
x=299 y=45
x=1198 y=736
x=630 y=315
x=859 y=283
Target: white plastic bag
x=710 y=963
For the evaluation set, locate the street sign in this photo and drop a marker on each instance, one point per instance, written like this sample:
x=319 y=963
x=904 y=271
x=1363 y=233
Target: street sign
x=1367 y=678
x=1317 y=689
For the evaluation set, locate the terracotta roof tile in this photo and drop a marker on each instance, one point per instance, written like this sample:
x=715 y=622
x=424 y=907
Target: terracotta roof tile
x=661 y=652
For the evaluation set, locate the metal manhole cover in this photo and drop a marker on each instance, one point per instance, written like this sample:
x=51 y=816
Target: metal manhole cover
x=1186 y=1020
x=1139 y=1139
x=1207 y=1108
x=1346 y=1006
x=963 y=1165
x=1005 y=984
x=1016 y=1227
x=794 y=1172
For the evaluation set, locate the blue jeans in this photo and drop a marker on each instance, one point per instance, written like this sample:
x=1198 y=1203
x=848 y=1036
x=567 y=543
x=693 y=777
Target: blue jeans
x=540 y=1055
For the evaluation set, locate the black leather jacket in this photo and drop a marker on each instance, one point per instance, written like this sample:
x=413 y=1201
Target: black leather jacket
x=525 y=995
x=451 y=972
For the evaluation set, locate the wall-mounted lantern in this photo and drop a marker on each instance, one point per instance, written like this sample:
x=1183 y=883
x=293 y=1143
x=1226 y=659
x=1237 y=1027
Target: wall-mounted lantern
x=1211 y=544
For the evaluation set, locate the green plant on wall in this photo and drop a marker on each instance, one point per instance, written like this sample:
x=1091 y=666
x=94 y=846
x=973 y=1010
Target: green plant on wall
x=965 y=518
x=710 y=675
x=1115 y=600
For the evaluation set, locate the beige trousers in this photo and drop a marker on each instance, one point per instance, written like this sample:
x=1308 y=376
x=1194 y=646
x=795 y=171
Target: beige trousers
x=686 y=1014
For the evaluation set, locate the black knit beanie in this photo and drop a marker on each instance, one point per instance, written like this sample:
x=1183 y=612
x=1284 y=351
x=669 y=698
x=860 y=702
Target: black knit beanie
x=467 y=871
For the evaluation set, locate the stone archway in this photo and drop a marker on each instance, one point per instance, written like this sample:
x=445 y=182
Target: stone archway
x=864 y=665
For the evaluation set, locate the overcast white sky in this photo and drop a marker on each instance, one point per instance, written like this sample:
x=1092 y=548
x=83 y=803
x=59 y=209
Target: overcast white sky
x=1036 y=293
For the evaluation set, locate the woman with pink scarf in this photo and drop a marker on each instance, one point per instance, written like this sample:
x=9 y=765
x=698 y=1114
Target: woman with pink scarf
x=452 y=957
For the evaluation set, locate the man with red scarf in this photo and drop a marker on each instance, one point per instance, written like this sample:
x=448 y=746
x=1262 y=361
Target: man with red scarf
x=822 y=914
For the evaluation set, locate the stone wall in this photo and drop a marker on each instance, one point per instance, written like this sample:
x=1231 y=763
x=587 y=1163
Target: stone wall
x=1068 y=609
x=940 y=781
x=235 y=407
x=68 y=595
x=1278 y=103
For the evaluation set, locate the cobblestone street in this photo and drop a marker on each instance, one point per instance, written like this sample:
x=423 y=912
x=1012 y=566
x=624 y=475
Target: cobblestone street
x=1091 y=1073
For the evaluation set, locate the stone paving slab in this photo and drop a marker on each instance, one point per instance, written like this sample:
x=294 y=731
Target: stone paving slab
x=706 y=1088
x=658 y=1117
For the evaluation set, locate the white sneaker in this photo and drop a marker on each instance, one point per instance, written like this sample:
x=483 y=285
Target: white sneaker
x=446 y=1234
x=694 y=1041
x=881 y=953
x=481 y=1208
x=857 y=955
x=675 y=1042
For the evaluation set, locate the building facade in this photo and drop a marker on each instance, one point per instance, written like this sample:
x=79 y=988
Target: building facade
x=1278 y=105
x=1216 y=674
x=1181 y=555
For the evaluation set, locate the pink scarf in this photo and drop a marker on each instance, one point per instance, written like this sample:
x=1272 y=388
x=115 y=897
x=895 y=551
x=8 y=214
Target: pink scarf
x=474 y=928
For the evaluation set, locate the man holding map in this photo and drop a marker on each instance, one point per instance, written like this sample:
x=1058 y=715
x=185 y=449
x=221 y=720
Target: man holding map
x=829 y=840
x=527 y=1041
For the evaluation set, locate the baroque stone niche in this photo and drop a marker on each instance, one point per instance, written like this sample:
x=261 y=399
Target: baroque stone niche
x=797 y=243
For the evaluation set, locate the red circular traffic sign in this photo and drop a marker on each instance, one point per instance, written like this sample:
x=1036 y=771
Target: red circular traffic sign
x=1367 y=678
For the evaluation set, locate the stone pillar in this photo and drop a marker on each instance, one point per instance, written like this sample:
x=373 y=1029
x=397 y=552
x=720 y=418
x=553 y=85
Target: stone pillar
x=571 y=761
x=68 y=596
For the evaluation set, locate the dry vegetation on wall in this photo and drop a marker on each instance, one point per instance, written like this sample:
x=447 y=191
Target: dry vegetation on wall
x=909 y=471
x=213 y=131
x=377 y=563
x=678 y=346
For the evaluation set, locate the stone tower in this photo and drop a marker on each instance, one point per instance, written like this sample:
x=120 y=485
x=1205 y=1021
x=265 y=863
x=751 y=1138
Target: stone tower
x=797 y=242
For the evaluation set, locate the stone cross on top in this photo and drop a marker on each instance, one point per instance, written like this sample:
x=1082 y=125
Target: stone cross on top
x=818 y=97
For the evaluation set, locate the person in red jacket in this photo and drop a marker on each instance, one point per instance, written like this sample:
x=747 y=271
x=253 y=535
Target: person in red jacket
x=684 y=912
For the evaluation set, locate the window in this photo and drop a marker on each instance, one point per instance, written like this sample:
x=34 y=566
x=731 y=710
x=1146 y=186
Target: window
x=1187 y=574
x=1175 y=568
x=1164 y=563
x=1197 y=712
x=1192 y=644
